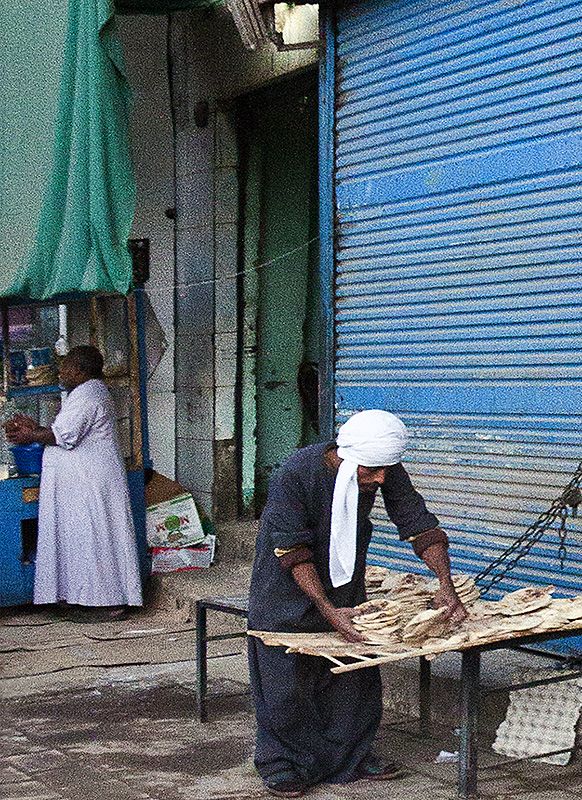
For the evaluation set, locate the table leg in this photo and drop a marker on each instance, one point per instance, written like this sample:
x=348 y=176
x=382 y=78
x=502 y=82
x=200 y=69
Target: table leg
x=467 y=787
x=424 y=697
x=201 y=664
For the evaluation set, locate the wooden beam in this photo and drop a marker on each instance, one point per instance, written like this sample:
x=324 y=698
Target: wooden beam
x=134 y=387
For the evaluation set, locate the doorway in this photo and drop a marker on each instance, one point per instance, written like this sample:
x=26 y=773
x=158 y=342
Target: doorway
x=279 y=298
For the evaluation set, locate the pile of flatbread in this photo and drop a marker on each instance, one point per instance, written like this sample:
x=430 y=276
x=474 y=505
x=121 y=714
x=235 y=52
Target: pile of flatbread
x=427 y=624
x=464 y=586
x=399 y=612
x=374 y=578
x=379 y=620
x=399 y=609
x=378 y=616
x=525 y=610
x=410 y=591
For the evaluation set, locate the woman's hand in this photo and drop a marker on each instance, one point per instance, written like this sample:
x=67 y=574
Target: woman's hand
x=20 y=422
x=24 y=430
x=22 y=436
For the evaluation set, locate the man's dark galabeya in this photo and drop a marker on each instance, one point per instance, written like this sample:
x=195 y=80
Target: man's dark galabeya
x=314 y=726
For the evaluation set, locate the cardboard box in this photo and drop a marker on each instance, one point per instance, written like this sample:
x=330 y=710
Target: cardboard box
x=174 y=523
x=160 y=489
x=172 y=519
x=172 y=559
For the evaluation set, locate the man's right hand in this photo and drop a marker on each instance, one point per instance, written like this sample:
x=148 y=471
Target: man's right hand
x=306 y=577
x=447 y=597
x=341 y=619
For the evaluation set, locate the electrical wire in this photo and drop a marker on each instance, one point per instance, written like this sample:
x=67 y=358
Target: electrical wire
x=157 y=285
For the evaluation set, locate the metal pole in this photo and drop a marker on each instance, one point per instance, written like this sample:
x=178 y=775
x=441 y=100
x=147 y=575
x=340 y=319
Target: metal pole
x=467 y=787
x=424 y=697
x=143 y=375
x=201 y=664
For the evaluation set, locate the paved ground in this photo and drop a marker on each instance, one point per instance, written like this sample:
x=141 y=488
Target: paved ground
x=109 y=711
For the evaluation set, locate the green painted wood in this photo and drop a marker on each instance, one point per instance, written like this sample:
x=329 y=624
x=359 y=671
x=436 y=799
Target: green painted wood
x=282 y=196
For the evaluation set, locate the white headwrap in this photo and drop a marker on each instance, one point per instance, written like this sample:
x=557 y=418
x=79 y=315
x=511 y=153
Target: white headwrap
x=368 y=439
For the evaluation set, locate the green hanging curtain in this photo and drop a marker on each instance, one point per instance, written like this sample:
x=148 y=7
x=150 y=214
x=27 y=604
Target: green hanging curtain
x=160 y=6
x=72 y=234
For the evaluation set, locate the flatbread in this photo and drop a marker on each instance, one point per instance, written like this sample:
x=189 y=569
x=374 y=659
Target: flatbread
x=527 y=594
x=522 y=622
x=574 y=610
x=377 y=604
x=516 y=608
x=396 y=582
x=377 y=615
x=379 y=631
x=430 y=621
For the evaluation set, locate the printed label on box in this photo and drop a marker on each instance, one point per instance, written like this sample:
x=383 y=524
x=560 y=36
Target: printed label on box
x=174 y=523
x=172 y=559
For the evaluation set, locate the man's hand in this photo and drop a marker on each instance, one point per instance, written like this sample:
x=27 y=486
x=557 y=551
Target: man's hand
x=447 y=596
x=436 y=559
x=306 y=577
x=341 y=619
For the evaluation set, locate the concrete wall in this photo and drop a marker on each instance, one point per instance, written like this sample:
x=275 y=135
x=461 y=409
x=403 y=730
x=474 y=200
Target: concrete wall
x=144 y=44
x=210 y=65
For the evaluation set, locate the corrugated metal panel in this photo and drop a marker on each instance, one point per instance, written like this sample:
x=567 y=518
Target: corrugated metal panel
x=458 y=296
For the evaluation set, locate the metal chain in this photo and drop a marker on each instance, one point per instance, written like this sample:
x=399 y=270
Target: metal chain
x=571 y=497
x=562 y=534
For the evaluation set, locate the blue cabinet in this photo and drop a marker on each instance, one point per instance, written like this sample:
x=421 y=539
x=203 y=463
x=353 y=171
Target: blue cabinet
x=18 y=502
x=135 y=481
x=18 y=508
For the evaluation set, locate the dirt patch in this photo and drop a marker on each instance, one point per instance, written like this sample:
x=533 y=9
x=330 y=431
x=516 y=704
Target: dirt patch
x=201 y=758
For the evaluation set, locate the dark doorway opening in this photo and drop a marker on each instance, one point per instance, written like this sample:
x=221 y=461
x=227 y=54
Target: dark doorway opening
x=279 y=297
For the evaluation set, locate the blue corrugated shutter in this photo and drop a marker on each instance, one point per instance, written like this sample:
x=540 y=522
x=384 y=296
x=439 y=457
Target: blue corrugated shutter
x=459 y=291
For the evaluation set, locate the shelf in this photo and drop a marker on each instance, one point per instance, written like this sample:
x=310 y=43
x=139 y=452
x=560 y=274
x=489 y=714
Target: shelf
x=19 y=391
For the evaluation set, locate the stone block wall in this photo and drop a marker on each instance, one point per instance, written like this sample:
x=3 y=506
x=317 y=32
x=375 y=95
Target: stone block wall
x=209 y=65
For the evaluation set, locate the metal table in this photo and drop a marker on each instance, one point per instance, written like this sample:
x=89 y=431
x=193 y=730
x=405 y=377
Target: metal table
x=470 y=680
x=239 y=606
x=470 y=697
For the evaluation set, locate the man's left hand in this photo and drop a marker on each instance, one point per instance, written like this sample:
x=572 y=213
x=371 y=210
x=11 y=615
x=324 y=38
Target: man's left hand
x=447 y=596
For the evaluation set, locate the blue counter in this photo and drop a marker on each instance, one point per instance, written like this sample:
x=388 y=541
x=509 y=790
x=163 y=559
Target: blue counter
x=19 y=503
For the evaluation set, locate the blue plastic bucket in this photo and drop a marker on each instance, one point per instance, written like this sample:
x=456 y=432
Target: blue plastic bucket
x=28 y=458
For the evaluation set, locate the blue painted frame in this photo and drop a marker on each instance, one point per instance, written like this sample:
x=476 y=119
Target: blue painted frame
x=143 y=377
x=327 y=67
